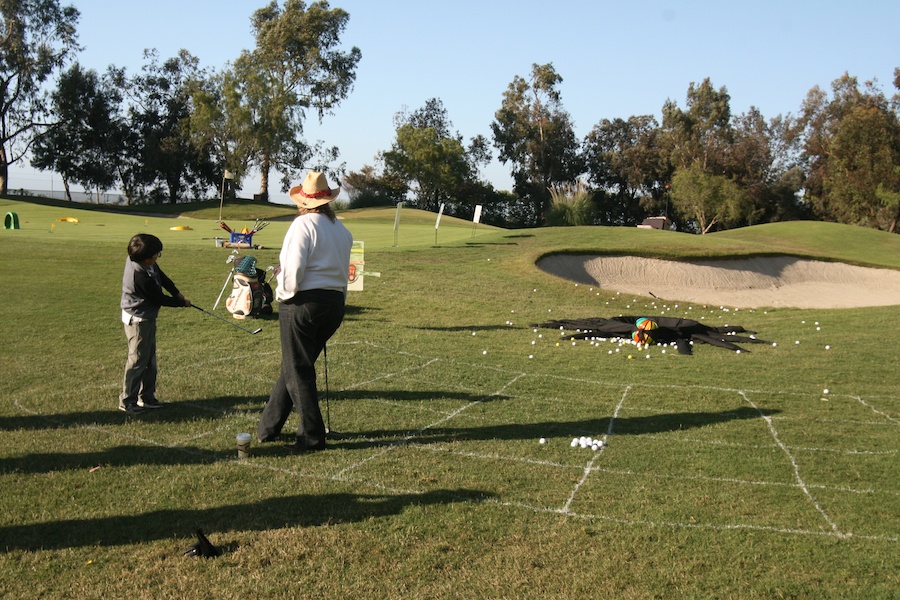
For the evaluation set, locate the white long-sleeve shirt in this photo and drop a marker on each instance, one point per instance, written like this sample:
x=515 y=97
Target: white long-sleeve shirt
x=315 y=255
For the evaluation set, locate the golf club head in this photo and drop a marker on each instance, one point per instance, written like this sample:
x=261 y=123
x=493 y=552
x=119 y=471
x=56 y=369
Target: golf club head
x=203 y=547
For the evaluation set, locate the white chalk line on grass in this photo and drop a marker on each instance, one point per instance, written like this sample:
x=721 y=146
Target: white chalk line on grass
x=565 y=511
x=681 y=525
x=795 y=466
x=342 y=477
x=702 y=441
x=193 y=452
x=418 y=432
x=441 y=449
x=588 y=467
x=875 y=410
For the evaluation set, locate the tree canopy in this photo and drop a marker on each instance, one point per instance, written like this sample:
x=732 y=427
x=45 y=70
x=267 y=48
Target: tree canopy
x=38 y=40
x=174 y=129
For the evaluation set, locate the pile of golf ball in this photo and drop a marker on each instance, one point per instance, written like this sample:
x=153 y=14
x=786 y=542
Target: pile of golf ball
x=587 y=442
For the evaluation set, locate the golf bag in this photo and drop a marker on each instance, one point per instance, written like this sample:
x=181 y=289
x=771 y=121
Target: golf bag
x=250 y=295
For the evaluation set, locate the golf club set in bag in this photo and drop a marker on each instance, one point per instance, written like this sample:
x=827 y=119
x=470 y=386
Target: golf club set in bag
x=251 y=293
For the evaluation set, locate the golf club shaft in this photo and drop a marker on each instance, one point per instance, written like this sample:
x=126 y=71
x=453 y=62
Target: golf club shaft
x=227 y=321
x=230 y=273
x=327 y=407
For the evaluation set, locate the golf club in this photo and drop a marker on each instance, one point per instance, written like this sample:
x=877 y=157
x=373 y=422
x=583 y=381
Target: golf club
x=327 y=407
x=230 y=261
x=227 y=321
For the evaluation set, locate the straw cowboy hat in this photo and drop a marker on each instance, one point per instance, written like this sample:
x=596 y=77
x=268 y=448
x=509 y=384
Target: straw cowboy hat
x=314 y=192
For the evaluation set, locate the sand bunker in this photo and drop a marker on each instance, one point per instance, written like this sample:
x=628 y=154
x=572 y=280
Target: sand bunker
x=775 y=281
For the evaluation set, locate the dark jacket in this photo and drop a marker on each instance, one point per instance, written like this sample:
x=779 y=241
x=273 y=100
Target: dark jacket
x=142 y=291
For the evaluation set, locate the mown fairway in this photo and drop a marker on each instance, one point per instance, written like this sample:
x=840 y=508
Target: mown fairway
x=725 y=475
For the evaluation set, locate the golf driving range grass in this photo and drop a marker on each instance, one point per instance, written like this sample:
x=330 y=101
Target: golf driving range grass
x=726 y=475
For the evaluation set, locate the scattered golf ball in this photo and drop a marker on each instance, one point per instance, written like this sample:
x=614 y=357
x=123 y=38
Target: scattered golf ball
x=542 y=440
x=825 y=391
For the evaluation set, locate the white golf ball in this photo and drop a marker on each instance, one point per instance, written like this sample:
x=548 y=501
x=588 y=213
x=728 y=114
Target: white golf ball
x=542 y=440
x=825 y=391
x=574 y=442
x=595 y=447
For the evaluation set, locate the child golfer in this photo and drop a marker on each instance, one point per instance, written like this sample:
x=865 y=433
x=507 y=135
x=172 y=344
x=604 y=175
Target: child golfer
x=142 y=296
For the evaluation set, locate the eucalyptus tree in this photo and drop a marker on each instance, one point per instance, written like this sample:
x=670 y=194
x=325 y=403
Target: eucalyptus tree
x=535 y=135
x=161 y=153
x=851 y=148
x=627 y=166
x=706 y=200
x=38 y=40
x=221 y=122
x=84 y=143
x=297 y=66
x=701 y=133
x=431 y=159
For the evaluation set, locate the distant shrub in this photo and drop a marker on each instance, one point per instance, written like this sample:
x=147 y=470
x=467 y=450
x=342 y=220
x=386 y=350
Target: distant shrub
x=571 y=205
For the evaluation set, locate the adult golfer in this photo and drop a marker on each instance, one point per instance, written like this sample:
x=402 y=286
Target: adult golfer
x=311 y=289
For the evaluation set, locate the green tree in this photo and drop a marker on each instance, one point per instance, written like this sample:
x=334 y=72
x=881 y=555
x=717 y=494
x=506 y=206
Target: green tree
x=296 y=66
x=851 y=146
x=83 y=145
x=428 y=158
x=222 y=123
x=161 y=152
x=366 y=188
x=701 y=134
x=865 y=150
x=625 y=161
x=535 y=135
x=889 y=194
x=38 y=40
x=758 y=161
x=707 y=201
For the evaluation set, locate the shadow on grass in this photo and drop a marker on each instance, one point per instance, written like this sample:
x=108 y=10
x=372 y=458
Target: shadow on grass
x=411 y=396
x=268 y=514
x=464 y=328
x=567 y=429
x=119 y=456
x=172 y=412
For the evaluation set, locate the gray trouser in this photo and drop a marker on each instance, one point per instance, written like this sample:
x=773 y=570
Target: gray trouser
x=139 y=381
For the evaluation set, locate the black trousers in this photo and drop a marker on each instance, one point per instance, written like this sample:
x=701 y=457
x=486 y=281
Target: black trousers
x=306 y=322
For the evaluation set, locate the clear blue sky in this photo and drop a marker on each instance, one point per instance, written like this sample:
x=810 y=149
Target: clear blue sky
x=616 y=59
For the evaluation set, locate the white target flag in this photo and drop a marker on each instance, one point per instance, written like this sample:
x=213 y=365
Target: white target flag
x=477 y=218
x=440 y=212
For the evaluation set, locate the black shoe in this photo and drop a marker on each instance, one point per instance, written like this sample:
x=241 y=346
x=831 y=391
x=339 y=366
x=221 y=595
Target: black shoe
x=131 y=409
x=152 y=403
x=298 y=448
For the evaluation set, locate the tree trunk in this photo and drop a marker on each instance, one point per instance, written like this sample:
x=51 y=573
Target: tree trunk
x=4 y=171
x=66 y=186
x=264 y=167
